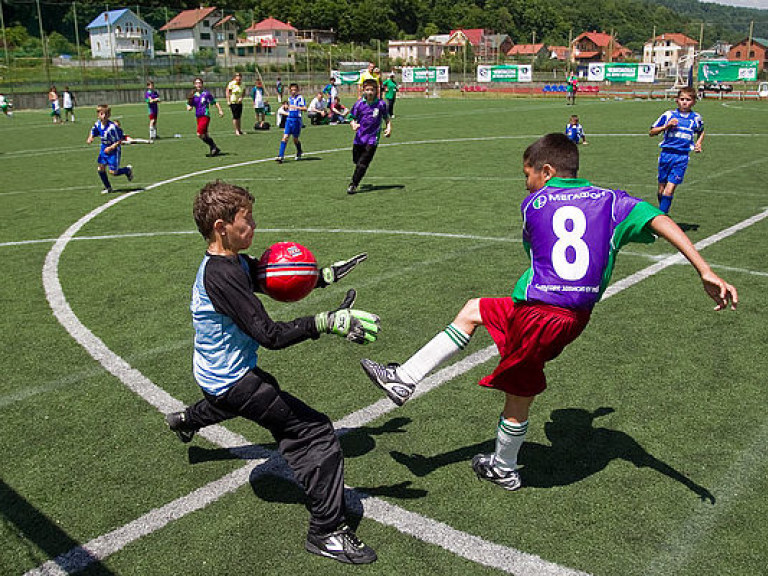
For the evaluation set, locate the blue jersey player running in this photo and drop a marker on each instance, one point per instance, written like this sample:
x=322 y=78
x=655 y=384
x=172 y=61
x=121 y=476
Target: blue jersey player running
x=293 y=124
x=572 y=232
x=683 y=131
x=109 y=154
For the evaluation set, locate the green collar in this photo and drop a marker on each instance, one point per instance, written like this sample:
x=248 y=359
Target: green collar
x=568 y=182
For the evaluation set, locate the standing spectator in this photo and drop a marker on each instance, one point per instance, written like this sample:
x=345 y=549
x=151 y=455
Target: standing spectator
x=69 y=102
x=390 y=93
x=330 y=90
x=53 y=101
x=571 y=87
x=151 y=97
x=279 y=89
x=259 y=106
x=368 y=74
x=200 y=101
x=235 y=101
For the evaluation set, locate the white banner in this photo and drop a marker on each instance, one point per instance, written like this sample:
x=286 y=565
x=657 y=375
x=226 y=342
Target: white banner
x=505 y=73
x=621 y=72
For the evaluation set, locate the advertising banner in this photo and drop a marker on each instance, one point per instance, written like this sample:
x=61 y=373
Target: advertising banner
x=621 y=72
x=505 y=73
x=431 y=74
x=349 y=77
x=727 y=71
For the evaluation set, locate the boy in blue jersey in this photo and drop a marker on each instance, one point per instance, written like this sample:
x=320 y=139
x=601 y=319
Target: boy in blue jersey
x=572 y=232
x=366 y=117
x=683 y=131
x=293 y=124
x=575 y=131
x=109 y=154
x=231 y=325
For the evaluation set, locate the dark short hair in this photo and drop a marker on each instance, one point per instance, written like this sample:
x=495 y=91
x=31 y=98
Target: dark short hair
x=557 y=150
x=370 y=82
x=218 y=200
x=292 y=84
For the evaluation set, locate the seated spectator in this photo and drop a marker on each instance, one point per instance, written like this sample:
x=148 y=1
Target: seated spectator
x=318 y=110
x=338 y=112
x=282 y=114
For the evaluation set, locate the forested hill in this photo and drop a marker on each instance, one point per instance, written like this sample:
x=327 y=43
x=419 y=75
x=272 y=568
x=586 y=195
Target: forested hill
x=633 y=21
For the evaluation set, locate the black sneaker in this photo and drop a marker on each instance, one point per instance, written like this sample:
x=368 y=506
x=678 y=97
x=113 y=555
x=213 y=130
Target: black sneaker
x=342 y=544
x=279 y=159
x=177 y=422
x=298 y=157
x=386 y=378
x=130 y=173
x=484 y=466
x=352 y=189
x=215 y=152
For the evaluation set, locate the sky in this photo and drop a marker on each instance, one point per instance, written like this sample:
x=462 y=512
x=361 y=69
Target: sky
x=762 y=4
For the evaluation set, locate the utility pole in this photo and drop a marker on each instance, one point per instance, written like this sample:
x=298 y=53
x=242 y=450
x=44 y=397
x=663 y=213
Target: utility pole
x=77 y=43
x=749 y=41
x=5 y=45
x=610 y=48
x=45 y=44
x=533 y=49
x=569 y=53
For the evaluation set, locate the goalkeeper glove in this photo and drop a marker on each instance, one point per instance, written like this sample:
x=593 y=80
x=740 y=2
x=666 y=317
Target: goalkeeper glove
x=338 y=270
x=355 y=325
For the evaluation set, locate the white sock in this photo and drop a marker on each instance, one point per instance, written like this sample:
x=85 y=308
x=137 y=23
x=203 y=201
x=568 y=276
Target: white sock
x=152 y=133
x=442 y=347
x=509 y=438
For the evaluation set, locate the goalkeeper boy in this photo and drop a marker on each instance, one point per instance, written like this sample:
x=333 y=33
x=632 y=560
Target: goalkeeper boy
x=572 y=231
x=230 y=325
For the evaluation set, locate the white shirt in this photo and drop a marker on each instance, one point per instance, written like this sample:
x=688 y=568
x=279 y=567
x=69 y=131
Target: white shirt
x=67 y=98
x=318 y=105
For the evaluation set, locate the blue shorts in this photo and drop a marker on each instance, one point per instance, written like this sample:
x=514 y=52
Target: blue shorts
x=672 y=167
x=112 y=161
x=293 y=127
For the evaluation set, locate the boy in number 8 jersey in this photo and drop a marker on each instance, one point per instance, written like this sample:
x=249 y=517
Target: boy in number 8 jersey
x=572 y=231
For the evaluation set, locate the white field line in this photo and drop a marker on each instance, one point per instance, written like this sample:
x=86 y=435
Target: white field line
x=157 y=397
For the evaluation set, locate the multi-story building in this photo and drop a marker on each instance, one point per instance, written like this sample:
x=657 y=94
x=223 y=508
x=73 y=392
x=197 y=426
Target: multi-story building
x=119 y=32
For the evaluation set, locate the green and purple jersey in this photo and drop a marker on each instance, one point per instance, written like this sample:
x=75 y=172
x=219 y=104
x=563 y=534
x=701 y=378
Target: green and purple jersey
x=572 y=232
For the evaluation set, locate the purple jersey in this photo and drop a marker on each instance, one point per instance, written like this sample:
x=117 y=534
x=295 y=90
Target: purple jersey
x=370 y=117
x=201 y=102
x=151 y=106
x=572 y=232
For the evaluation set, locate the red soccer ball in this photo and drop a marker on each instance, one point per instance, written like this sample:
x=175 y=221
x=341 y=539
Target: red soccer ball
x=287 y=271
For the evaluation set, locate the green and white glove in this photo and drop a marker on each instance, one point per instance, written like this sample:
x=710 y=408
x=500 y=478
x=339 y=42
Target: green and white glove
x=356 y=326
x=338 y=270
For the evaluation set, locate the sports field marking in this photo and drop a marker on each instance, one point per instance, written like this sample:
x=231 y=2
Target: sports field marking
x=154 y=395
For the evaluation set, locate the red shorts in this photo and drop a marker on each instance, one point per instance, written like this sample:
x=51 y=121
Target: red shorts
x=527 y=337
x=202 y=125
x=153 y=116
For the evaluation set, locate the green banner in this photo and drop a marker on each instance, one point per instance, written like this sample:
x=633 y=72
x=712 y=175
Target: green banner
x=348 y=77
x=431 y=74
x=620 y=72
x=505 y=73
x=727 y=71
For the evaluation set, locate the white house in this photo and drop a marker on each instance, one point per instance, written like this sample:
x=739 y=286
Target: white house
x=192 y=30
x=672 y=53
x=415 y=51
x=119 y=32
x=269 y=41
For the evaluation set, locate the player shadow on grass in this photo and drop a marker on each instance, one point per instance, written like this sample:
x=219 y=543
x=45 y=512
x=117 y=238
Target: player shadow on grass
x=366 y=188
x=33 y=531
x=686 y=226
x=577 y=450
x=125 y=190
x=354 y=443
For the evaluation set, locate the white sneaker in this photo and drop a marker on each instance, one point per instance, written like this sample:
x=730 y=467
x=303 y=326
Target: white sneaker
x=484 y=466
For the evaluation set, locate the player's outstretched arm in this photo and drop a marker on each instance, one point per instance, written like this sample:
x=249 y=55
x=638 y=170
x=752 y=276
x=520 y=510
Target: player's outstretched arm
x=355 y=325
x=715 y=287
x=338 y=270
